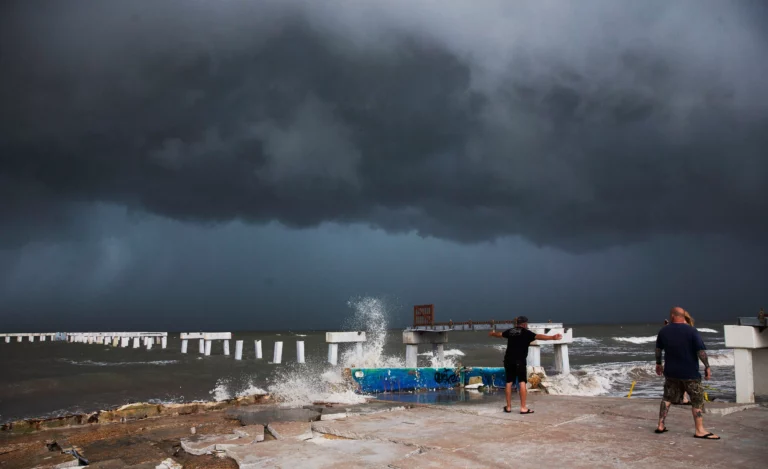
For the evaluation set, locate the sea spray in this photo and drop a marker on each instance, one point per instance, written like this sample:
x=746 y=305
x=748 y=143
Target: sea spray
x=317 y=381
x=369 y=314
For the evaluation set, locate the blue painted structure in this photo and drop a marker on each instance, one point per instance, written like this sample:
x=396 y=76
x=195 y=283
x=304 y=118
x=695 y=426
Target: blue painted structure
x=377 y=380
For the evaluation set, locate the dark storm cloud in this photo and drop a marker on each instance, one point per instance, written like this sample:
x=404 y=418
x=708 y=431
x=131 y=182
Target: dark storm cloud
x=579 y=127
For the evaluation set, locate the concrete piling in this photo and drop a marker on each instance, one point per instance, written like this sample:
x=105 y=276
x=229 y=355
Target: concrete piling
x=149 y=344
x=333 y=354
x=238 y=350
x=257 y=344
x=277 y=356
x=359 y=353
x=163 y=342
x=300 y=351
x=411 y=355
x=18 y=339
x=135 y=342
x=7 y=340
x=202 y=346
x=184 y=346
x=226 y=347
x=207 y=348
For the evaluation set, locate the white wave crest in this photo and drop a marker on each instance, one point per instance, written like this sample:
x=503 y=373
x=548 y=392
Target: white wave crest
x=636 y=340
x=721 y=358
x=595 y=380
x=449 y=358
x=584 y=341
x=227 y=389
x=95 y=363
x=708 y=330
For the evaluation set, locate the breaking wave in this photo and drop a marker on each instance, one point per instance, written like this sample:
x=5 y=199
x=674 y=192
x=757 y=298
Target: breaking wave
x=636 y=340
x=708 y=330
x=227 y=388
x=94 y=363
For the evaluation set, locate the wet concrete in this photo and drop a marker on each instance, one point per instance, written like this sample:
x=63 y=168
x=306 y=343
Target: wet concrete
x=572 y=432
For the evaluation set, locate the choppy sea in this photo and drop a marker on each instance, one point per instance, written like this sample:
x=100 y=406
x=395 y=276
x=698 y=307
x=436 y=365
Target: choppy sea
x=46 y=379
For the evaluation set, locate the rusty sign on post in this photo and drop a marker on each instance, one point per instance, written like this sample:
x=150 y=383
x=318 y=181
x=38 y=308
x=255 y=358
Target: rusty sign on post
x=423 y=315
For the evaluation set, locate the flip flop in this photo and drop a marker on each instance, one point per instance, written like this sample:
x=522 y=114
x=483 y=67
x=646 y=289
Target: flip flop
x=507 y=411
x=707 y=436
x=660 y=431
x=529 y=412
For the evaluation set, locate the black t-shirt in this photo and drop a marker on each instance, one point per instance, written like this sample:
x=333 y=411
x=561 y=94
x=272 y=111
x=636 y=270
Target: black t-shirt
x=518 y=340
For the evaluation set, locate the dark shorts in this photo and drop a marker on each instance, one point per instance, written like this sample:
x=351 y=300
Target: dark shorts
x=516 y=371
x=675 y=388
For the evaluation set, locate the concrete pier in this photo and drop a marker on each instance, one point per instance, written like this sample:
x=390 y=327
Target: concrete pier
x=750 y=354
x=135 y=342
x=257 y=346
x=277 y=356
x=206 y=338
x=184 y=344
x=238 y=350
x=412 y=340
x=163 y=342
x=300 y=351
x=333 y=339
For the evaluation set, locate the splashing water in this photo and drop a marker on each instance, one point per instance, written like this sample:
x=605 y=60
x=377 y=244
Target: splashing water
x=369 y=315
x=316 y=381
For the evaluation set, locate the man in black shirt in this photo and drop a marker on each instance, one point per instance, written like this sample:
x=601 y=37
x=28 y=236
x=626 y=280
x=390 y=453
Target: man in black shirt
x=519 y=338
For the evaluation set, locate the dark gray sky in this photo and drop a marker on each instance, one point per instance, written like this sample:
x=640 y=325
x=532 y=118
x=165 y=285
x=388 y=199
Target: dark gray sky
x=249 y=164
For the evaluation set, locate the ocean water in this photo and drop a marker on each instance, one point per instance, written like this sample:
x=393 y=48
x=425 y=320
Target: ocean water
x=57 y=378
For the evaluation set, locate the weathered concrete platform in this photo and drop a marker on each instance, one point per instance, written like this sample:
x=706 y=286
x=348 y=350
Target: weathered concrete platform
x=572 y=432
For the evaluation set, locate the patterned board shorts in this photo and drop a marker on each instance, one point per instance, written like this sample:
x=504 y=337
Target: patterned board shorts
x=674 y=389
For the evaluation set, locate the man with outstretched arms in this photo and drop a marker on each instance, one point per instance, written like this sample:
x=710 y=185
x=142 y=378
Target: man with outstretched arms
x=515 y=359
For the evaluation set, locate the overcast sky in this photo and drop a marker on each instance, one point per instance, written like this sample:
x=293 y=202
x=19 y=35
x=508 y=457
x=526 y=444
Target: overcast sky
x=245 y=164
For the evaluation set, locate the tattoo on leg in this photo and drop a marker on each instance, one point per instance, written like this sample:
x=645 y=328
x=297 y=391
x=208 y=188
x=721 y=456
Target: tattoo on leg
x=698 y=413
x=663 y=412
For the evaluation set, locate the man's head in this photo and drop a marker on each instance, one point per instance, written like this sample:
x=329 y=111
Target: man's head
x=677 y=315
x=521 y=321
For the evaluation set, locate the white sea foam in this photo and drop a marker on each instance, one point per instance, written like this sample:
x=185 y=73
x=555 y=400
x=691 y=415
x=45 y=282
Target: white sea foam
x=636 y=340
x=95 y=363
x=228 y=389
x=721 y=358
x=594 y=380
x=708 y=330
x=295 y=385
x=584 y=341
x=449 y=358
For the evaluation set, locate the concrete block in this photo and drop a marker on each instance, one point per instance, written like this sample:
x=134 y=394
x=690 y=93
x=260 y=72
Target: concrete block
x=184 y=345
x=344 y=337
x=425 y=337
x=745 y=337
x=257 y=349
x=226 y=347
x=206 y=335
x=239 y=350
x=277 y=356
x=300 y=351
x=411 y=356
x=333 y=354
x=333 y=416
x=207 y=348
x=291 y=430
x=264 y=417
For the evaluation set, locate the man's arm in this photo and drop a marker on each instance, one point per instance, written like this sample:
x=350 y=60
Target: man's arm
x=495 y=334
x=549 y=337
x=705 y=360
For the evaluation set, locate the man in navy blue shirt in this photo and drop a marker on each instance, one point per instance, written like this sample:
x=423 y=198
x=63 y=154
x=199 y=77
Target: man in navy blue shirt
x=683 y=348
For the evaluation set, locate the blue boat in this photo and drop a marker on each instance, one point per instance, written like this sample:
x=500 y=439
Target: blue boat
x=378 y=380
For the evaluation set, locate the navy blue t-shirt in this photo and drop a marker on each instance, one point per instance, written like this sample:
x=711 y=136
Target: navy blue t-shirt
x=681 y=344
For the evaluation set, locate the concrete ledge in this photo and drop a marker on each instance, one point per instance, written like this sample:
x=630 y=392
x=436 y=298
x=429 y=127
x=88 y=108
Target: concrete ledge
x=205 y=335
x=425 y=337
x=344 y=337
x=745 y=337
